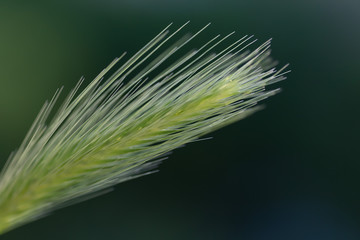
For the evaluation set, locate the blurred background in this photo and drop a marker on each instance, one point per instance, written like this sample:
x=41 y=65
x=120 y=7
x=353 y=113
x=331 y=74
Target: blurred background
x=291 y=171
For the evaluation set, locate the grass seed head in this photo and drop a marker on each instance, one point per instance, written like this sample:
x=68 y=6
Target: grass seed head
x=122 y=124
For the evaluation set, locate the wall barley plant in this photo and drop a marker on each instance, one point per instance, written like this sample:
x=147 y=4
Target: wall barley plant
x=121 y=125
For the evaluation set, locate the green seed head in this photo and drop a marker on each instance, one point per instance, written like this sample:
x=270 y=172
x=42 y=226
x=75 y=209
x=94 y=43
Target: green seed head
x=121 y=125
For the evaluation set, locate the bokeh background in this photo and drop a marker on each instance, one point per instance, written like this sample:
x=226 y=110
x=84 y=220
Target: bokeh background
x=291 y=171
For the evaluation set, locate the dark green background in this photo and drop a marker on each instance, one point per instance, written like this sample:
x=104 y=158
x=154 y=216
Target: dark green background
x=291 y=171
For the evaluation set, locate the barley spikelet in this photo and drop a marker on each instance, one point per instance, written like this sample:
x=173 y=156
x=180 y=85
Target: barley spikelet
x=120 y=126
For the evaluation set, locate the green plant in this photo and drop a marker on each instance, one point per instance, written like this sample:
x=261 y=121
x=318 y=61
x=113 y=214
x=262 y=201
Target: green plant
x=114 y=129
